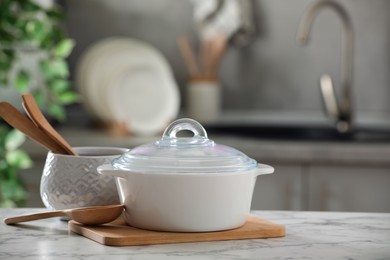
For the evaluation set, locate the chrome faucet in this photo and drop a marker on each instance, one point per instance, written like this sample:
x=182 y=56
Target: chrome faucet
x=339 y=110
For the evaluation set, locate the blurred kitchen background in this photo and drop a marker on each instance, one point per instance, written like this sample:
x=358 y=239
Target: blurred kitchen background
x=266 y=79
x=272 y=71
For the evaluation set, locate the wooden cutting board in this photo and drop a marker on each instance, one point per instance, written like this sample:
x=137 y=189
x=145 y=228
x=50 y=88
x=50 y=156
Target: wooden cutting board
x=119 y=234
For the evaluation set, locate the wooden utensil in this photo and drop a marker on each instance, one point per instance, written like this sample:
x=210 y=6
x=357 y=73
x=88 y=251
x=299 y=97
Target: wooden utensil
x=88 y=216
x=189 y=56
x=19 y=121
x=218 y=46
x=211 y=53
x=32 y=109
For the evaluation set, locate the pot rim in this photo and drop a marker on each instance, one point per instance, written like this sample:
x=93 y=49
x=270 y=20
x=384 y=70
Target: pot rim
x=109 y=169
x=111 y=152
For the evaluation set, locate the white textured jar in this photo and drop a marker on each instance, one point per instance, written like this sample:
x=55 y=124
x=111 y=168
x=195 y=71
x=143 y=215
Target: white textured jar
x=72 y=181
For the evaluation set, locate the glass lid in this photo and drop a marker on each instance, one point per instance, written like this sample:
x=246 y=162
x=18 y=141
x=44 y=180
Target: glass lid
x=175 y=154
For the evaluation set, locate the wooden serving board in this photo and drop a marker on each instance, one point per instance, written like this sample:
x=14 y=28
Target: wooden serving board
x=119 y=234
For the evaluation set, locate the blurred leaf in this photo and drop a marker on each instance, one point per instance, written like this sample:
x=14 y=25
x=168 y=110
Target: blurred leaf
x=64 y=48
x=5 y=64
x=54 y=68
x=10 y=54
x=11 y=190
x=35 y=29
x=3 y=133
x=57 y=111
x=55 y=35
x=8 y=204
x=14 y=139
x=55 y=13
x=3 y=164
x=3 y=80
x=67 y=97
x=19 y=159
x=29 y=6
x=6 y=59
x=22 y=81
x=58 y=85
x=40 y=97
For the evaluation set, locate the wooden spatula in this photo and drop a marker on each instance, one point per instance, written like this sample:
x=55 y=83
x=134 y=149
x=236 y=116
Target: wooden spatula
x=32 y=109
x=19 y=121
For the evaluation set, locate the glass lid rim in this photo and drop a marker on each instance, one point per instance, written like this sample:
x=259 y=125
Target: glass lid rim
x=196 y=154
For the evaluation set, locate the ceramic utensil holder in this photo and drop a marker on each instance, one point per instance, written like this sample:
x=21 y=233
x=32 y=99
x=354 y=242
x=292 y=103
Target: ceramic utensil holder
x=73 y=181
x=204 y=100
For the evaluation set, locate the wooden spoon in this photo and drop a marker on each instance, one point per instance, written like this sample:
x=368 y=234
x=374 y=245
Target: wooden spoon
x=20 y=122
x=32 y=109
x=89 y=215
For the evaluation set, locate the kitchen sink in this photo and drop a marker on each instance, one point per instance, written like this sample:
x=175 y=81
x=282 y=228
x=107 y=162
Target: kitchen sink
x=300 y=132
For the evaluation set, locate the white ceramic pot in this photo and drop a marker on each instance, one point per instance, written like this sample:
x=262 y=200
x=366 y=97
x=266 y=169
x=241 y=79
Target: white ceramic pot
x=185 y=184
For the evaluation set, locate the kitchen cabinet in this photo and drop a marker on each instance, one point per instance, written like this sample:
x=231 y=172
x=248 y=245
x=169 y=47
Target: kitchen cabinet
x=349 y=188
x=324 y=188
x=283 y=190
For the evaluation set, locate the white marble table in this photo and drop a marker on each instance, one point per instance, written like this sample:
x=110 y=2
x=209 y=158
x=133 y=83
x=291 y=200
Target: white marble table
x=310 y=235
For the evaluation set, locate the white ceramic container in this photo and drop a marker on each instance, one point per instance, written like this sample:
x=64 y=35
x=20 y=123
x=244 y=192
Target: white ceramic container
x=185 y=184
x=72 y=181
x=204 y=100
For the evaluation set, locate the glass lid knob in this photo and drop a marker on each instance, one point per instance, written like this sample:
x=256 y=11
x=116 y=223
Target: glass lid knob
x=184 y=124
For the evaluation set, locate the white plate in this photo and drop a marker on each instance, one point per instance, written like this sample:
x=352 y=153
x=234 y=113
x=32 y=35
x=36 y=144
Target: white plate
x=96 y=69
x=85 y=67
x=128 y=81
x=142 y=97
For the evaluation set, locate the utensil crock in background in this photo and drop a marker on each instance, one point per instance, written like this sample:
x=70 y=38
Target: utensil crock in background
x=72 y=181
x=204 y=100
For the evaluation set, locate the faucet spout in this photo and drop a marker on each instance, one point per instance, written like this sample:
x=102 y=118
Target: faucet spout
x=344 y=113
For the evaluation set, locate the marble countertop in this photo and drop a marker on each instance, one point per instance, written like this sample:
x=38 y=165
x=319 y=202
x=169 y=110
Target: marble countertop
x=309 y=235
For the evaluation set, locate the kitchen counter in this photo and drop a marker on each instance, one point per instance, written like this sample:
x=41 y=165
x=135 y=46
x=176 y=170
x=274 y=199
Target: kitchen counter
x=309 y=235
x=264 y=150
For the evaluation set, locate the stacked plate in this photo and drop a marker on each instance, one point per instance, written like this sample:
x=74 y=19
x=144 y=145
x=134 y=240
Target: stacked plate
x=127 y=81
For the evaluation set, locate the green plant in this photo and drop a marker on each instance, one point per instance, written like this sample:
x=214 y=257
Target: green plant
x=31 y=31
x=12 y=159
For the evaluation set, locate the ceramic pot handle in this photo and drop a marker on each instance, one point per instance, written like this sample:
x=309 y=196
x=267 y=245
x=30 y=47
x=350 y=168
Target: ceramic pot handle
x=264 y=169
